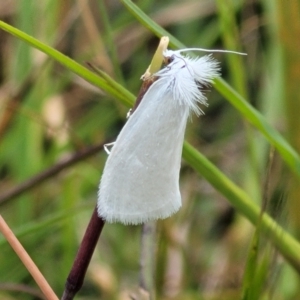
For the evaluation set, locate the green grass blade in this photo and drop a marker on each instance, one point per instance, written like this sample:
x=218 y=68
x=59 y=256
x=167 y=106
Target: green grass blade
x=286 y=151
x=285 y=243
x=229 y=31
x=67 y=62
x=150 y=24
x=116 y=86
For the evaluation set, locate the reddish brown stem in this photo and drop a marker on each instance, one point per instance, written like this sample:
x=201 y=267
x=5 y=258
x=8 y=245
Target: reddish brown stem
x=83 y=258
x=144 y=88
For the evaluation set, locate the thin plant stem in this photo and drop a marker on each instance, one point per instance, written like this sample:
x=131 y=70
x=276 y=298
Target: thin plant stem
x=51 y=172
x=27 y=261
x=76 y=276
x=147 y=265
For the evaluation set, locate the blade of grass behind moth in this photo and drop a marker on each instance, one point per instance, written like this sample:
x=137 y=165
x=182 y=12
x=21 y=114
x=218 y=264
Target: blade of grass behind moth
x=115 y=85
x=66 y=61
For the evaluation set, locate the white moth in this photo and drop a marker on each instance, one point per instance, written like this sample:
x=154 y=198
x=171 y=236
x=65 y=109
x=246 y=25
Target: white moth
x=140 y=181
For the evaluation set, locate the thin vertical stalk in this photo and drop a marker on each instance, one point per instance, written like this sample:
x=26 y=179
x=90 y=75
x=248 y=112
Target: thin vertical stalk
x=27 y=261
x=147 y=265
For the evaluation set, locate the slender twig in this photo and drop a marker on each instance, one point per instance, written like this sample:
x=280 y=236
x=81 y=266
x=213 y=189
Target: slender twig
x=83 y=257
x=27 y=261
x=51 y=172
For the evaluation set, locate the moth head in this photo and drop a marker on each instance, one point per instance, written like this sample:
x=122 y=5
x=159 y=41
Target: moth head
x=168 y=59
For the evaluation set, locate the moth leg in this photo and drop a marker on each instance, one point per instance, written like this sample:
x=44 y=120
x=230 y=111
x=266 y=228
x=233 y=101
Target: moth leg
x=106 y=147
x=129 y=114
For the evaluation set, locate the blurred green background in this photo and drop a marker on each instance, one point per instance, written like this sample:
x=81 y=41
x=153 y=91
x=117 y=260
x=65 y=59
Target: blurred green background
x=47 y=115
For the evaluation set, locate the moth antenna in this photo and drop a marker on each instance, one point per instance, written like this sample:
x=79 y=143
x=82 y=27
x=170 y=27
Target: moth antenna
x=207 y=50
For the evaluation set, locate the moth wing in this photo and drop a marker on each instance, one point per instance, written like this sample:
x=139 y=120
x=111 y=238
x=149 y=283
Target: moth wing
x=140 y=181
